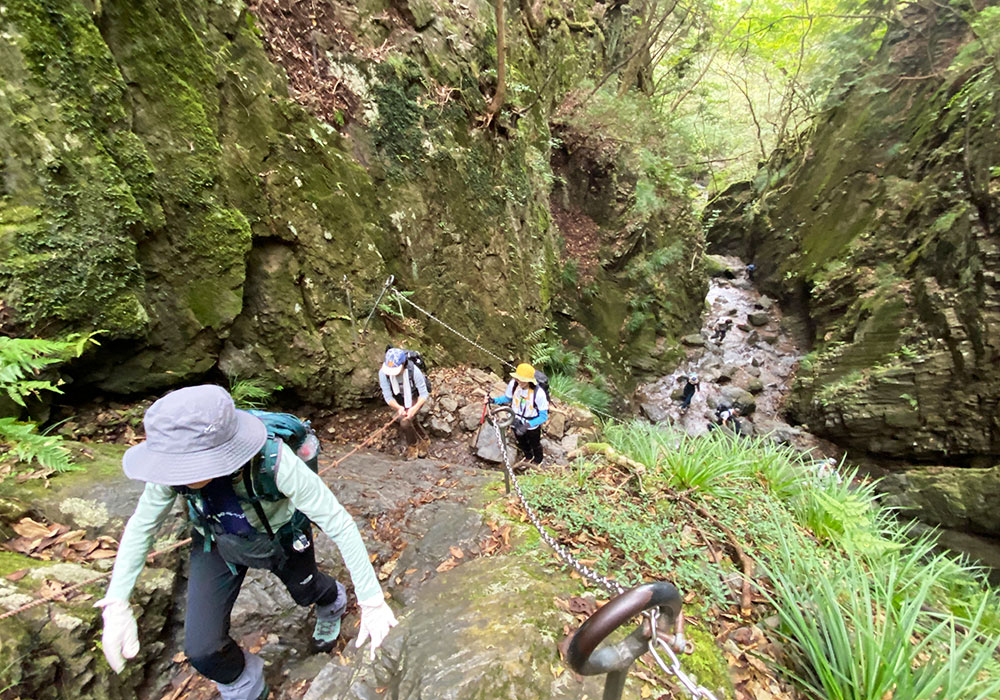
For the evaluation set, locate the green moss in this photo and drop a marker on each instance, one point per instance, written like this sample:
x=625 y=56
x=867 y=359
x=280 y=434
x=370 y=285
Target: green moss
x=398 y=134
x=707 y=663
x=12 y=561
x=75 y=260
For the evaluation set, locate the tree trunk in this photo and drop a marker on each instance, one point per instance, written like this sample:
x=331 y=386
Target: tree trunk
x=498 y=96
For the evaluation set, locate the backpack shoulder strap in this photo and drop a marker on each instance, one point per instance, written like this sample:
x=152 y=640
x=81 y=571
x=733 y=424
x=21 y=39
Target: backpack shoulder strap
x=248 y=479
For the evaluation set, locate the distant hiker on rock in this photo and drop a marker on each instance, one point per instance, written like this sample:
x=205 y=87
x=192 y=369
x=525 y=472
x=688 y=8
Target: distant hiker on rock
x=730 y=418
x=690 y=386
x=751 y=268
x=527 y=394
x=721 y=328
x=199 y=446
x=726 y=416
x=826 y=470
x=405 y=390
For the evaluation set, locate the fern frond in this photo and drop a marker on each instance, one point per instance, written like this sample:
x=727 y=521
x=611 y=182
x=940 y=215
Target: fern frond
x=27 y=445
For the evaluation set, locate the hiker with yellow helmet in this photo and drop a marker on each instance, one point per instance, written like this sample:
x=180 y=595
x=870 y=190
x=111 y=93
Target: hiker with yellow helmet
x=530 y=404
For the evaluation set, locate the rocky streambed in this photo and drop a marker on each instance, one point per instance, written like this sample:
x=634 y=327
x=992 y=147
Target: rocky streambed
x=753 y=366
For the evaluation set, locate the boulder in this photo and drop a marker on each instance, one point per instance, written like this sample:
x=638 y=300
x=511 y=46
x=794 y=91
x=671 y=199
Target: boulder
x=758 y=318
x=734 y=395
x=439 y=427
x=718 y=266
x=470 y=416
x=487 y=447
x=755 y=386
x=769 y=338
x=764 y=303
x=555 y=426
x=693 y=340
x=953 y=497
x=448 y=403
x=570 y=442
x=553 y=451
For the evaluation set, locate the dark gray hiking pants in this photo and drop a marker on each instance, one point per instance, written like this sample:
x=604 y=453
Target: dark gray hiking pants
x=211 y=594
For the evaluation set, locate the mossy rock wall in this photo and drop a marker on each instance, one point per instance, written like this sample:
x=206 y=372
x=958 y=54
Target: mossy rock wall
x=160 y=182
x=638 y=280
x=883 y=232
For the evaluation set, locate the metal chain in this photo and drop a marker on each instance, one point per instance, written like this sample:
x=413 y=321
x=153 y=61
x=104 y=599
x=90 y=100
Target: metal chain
x=510 y=365
x=612 y=586
x=431 y=316
x=689 y=684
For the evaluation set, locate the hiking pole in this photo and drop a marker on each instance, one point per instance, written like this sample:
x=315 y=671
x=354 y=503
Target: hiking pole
x=388 y=283
x=350 y=310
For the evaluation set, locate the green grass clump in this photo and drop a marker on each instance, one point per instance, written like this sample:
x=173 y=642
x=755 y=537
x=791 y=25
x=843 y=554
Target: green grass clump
x=864 y=628
x=867 y=610
x=570 y=390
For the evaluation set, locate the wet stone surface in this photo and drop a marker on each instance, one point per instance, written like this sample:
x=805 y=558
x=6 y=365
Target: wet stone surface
x=752 y=364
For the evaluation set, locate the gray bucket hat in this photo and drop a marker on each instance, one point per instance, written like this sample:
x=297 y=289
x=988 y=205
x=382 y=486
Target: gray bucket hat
x=193 y=434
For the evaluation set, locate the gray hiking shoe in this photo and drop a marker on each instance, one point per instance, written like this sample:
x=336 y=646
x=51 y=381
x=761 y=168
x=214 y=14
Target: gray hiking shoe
x=327 y=629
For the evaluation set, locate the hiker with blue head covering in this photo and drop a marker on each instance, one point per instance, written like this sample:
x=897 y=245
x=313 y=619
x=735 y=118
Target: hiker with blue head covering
x=406 y=389
x=200 y=446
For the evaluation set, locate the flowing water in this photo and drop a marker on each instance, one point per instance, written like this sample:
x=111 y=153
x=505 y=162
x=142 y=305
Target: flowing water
x=752 y=365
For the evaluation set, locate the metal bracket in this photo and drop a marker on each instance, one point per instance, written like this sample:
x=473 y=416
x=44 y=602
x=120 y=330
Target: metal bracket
x=616 y=659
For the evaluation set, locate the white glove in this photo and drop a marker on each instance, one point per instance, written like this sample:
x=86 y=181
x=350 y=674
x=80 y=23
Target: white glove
x=121 y=637
x=376 y=621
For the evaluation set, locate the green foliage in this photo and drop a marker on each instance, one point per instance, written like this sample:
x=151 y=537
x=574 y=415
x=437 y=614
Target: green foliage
x=751 y=75
x=22 y=440
x=251 y=393
x=548 y=353
x=867 y=613
x=571 y=390
x=21 y=360
x=860 y=628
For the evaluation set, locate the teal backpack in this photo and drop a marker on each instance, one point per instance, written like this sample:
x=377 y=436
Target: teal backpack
x=281 y=428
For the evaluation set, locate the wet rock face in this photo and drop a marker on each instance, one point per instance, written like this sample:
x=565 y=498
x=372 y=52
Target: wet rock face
x=960 y=499
x=483 y=630
x=882 y=234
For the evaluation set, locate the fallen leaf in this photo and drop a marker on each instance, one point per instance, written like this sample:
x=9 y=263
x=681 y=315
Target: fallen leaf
x=102 y=554
x=456 y=552
x=30 y=529
x=16 y=575
x=447 y=565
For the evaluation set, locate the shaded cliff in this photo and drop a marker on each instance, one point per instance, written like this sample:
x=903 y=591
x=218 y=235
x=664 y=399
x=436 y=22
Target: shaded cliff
x=165 y=180
x=883 y=233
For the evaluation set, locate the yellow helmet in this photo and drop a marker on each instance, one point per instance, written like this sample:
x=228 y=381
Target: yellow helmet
x=525 y=373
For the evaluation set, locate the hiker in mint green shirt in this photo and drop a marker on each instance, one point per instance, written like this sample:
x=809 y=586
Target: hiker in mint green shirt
x=197 y=444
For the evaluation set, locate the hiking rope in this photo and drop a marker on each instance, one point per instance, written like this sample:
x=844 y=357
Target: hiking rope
x=388 y=283
x=367 y=440
x=467 y=339
x=152 y=555
x=612 y=586
x=507 y=364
